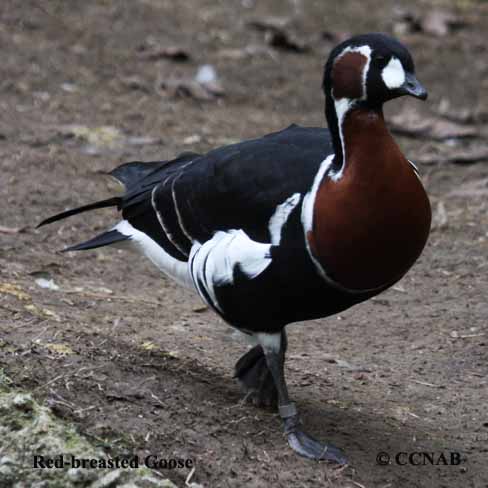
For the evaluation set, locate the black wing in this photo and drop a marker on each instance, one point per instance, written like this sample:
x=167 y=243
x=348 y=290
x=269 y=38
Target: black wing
x=233 y=187
x=239 y=186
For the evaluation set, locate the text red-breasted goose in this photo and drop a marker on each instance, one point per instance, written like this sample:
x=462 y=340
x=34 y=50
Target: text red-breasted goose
x=296 y=225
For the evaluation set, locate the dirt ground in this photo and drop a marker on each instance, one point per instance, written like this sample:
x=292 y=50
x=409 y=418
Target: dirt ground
x=140 y=365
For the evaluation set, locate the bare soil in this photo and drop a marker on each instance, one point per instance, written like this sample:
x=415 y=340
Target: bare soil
x=139 y=364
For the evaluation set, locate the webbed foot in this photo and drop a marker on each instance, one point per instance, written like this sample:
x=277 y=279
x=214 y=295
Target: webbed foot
x=304 y=444
x=310 y=448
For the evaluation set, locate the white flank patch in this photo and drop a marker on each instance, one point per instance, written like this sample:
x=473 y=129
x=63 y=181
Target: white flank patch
x=177 y=270
x=393 y=74
x=214 y=263
x=280 y=217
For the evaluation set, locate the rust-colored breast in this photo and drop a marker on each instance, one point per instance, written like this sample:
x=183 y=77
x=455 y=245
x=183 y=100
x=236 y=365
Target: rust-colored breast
x=371 y=225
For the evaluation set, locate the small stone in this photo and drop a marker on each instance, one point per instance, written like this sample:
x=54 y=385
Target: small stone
x=23 y=402
x=6 y=460
x=6 y=471
x=157 y=483
x=40 y=484
x=78 y=475
x=108 y=480
x=194 y=139
x=69 y=87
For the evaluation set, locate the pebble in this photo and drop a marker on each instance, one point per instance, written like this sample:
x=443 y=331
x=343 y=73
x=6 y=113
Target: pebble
x=108 y=480
x=23 y=401
x=6 y=460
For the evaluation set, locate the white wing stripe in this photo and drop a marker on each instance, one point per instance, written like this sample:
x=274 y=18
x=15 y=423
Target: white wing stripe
x=178 y=215
x=159 y=215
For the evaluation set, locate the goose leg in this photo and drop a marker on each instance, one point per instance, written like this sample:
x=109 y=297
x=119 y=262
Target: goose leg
x=255 y=378
x=298 y=440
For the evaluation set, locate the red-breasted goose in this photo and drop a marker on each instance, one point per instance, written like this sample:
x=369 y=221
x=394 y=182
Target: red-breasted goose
x=296 y=225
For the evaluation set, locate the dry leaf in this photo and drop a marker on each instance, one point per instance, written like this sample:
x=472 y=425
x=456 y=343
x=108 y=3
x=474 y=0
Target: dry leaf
x=439 y=218
x=477 y=188
x=42 y=312
x=153 y=51
x=149 y=346
x=434 y=22
x=270 y=23
x=14 y=290
x=405 y=22
x=179 y=87
x=334 y=36
x=143 y=141
x=399 y=288
x=466 y=155
x=10 y=230
x=62 y=349
x=200 y=309
x=102 y=136
x=440 y=22
x=286 y=42
x=134 y=82
x=205 y=86
x=276 y=34
x=411 y=123
x=247 y=52
x=403 y=414
x=462 y=115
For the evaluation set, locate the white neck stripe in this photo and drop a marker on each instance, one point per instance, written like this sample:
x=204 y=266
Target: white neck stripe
x=343 y=105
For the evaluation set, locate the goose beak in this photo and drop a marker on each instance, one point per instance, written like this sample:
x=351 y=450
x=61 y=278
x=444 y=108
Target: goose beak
x=413 y=87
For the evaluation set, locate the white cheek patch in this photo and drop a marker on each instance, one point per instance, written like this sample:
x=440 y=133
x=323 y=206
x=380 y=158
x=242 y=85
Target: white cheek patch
x=393 y=74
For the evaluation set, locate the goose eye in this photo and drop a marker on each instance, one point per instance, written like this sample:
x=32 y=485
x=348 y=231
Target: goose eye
x=379 y=58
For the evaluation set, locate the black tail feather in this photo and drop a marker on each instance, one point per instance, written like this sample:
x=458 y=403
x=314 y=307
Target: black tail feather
x=109 y=202
x=136 y=173
x=139 y=180
x=130 y=173
x=109 y=237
